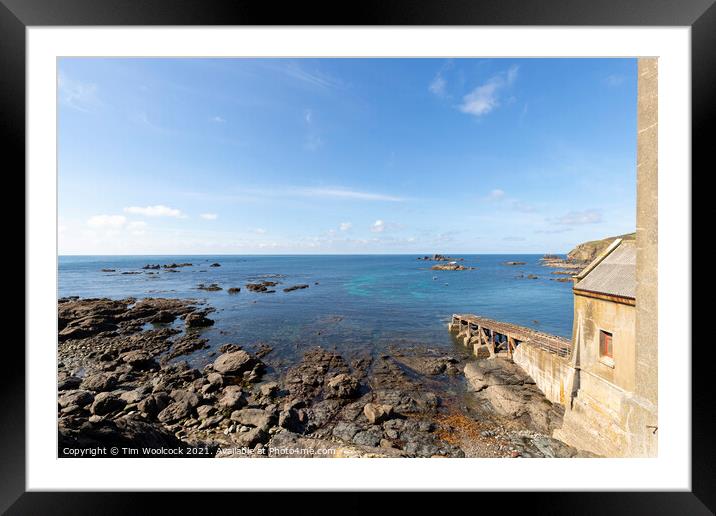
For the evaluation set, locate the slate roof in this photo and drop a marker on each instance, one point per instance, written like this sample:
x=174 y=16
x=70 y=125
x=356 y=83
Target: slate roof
x=615 y=275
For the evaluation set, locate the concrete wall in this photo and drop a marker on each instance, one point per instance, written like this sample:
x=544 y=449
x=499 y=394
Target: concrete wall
x=551 y=373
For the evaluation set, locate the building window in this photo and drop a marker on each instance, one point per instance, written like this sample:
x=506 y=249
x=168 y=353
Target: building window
x=605 y=344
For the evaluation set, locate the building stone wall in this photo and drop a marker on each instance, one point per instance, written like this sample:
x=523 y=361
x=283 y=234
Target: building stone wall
x=643 y=425
x=616 y=414
x=593 y=315
x=597 y=410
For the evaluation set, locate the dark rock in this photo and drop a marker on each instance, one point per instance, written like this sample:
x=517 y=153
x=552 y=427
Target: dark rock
x=232 y=398
x=154 y=404
x=234 y=290
x=214 y=287
x=122 y=432
x=295 y=287
x=197 y=320
x=140 y=360
x=163 y=317
x=78 y=398
x=268 y=389
x=133 y=397
x=204 y=411
x=254 y=417
x=215 y=265
x=175 y=412
x=342 y=386
x=370 y=437
x=215 y=379
x=68 y=382
x=99 y=382
x=345 y=431
x=251 y=438
x=105 y=403
x=185 y=396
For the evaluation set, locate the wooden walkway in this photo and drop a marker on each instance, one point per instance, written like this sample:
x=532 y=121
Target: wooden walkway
x=501 y=336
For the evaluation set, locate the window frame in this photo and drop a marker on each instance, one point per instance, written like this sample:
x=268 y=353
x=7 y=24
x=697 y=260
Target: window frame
x=606 y=354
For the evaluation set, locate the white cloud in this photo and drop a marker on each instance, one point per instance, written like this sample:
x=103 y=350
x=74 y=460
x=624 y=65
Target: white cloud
x=260 y=231
x=438 y=85
x=137 y=227
x=576 y=218
x=496 y=194
x=217 y=119
x=485 y=98
x=209 y=216
x=378 y=226
x=345 y=226
x=308 y=116
x=107 y=221
x=76 y=94
x=154 y=211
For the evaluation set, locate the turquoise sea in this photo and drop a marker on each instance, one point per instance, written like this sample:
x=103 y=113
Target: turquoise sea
x=353 y=302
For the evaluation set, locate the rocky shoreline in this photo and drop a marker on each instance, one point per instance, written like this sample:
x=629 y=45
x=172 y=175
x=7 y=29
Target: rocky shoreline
x=124 y=384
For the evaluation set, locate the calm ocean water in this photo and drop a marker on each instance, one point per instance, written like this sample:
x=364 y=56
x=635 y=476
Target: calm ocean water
x=359 y=301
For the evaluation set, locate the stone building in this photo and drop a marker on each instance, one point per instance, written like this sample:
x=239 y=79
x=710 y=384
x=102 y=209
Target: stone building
x=604 y=353
x=612 y=407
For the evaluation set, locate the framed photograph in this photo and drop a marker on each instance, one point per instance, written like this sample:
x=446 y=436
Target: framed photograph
x=443 y=248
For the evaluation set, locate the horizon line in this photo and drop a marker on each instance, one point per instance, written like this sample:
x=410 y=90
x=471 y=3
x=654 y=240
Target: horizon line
x=315 y=254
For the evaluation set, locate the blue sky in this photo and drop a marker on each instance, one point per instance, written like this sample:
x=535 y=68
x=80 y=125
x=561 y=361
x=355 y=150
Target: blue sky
x=274 y=156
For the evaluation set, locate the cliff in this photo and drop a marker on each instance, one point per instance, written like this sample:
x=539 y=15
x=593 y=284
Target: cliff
x=588 y=251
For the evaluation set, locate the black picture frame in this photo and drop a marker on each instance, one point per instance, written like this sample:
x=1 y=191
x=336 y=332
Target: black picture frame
x=17 y=15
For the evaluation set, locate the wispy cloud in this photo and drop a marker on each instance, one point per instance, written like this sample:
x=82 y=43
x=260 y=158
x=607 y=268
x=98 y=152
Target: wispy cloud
x=343 y=193
x=209 y=216
x=578 y=218
x=345 y=226
x=142 y=118
x=314 y=77
x=218 y=119
x=486 y=98
x=438 y=85
x=154 y=211
x=79 y=95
